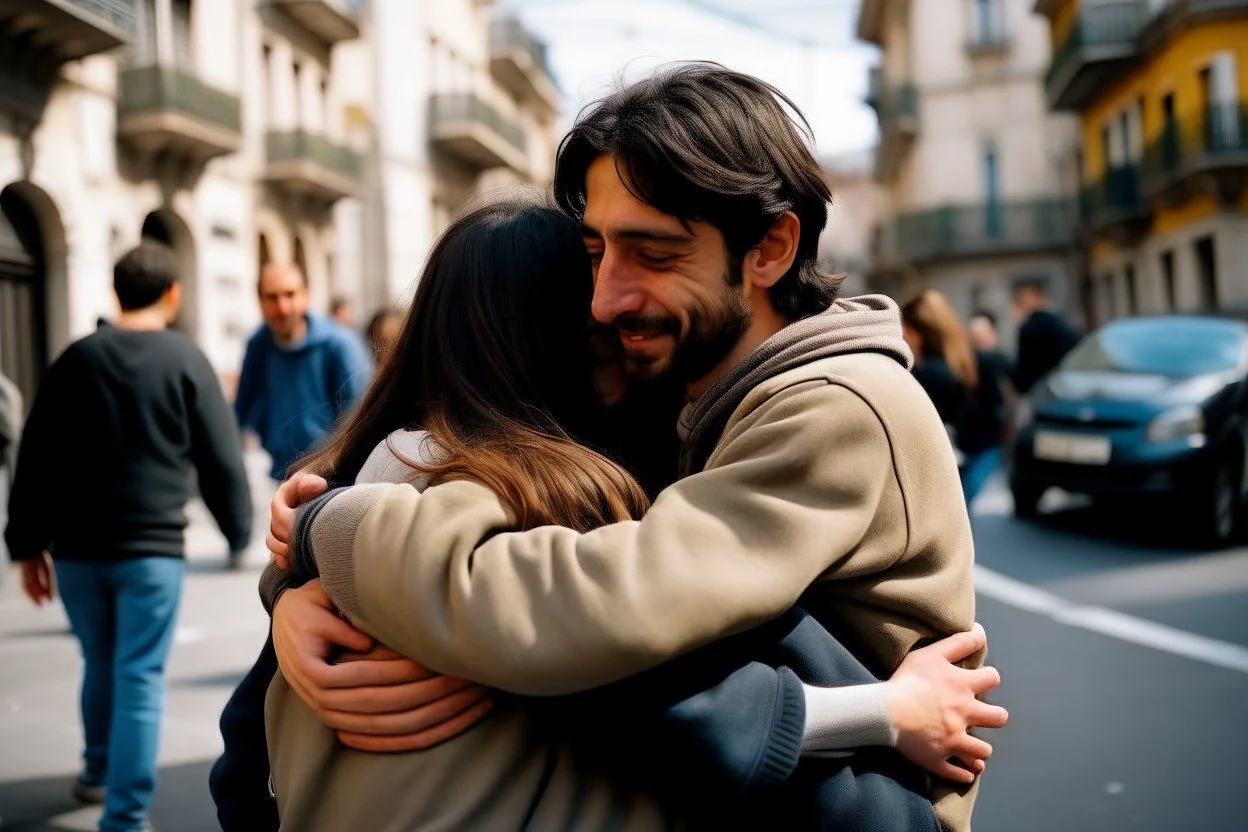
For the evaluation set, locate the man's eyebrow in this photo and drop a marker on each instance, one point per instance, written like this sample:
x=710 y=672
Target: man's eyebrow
x=651 y=234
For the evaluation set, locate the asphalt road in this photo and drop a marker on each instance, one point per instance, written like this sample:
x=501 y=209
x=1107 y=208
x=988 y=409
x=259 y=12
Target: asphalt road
x=1117 y=723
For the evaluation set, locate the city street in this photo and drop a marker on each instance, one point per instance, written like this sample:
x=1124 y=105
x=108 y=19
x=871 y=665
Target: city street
x=1125 y=657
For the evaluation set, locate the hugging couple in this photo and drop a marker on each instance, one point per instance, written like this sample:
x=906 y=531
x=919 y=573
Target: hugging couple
x=783 y=639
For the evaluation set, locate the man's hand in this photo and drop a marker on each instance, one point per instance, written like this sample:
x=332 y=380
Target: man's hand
x=932 y=704
x=374 y=699
x=296 y=491
x=37 y=579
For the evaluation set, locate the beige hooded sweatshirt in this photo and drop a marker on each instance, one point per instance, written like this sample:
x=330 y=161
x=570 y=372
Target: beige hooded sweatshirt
x=831 y=482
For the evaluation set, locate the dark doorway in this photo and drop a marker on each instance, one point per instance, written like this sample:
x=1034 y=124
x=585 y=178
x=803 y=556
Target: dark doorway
x=23 y=294
x=1207 y=273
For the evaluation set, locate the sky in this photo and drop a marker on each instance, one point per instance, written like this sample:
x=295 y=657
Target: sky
x=806 y=48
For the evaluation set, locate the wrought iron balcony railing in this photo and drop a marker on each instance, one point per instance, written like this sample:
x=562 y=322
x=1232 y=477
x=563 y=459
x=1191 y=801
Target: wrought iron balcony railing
x=985 y=228
x=1103 y=34
x=163 y=88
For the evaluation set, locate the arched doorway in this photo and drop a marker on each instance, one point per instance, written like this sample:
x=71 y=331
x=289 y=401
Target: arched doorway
x=164 y=226
x=32 y=278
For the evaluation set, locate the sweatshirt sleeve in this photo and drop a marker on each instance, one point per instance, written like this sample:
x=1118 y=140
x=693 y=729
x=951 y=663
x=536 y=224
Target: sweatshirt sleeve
x=33 y=493
x=438 y=576
x=248 y=398
x=216 y=451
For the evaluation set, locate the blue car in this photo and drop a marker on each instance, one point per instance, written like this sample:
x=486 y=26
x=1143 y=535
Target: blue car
x=1144 y=407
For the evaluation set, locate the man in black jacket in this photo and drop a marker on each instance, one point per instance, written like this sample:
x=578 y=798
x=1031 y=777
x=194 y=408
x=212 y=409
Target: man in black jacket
x=1044 y=337
x=139 y=408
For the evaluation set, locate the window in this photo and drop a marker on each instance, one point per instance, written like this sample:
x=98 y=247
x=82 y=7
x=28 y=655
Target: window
x=144 y=52
x=1207 y=272
x=1170 y=146
x=298 y=73
x=1133 y=298
x=182 y=53
x=1109 y=295
x=987 y=24
x=1168 y=295
x=269 y=87
x=1220 y=86
x=992 y=193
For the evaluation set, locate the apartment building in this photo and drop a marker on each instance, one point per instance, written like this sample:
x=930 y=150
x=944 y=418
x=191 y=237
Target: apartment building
x=462 y=101
x=975 y=171
x=338 y=135
x=211 y=126
x=1159 y=89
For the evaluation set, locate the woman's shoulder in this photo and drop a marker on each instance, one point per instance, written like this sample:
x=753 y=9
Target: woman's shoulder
x=400 y=457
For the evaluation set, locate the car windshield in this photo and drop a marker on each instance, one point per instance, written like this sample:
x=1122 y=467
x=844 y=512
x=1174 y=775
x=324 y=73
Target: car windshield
x=1171 y=347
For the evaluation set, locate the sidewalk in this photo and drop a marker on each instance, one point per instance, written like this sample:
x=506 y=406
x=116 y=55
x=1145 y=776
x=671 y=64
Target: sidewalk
x=221 y=628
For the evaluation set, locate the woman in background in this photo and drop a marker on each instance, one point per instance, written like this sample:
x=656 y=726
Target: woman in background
x=944 y=362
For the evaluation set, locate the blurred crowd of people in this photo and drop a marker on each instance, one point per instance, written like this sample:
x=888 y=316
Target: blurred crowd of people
x=972 y=383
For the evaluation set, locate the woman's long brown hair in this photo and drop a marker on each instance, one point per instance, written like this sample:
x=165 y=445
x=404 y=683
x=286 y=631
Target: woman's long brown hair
x=494 y=362
x=932 y=315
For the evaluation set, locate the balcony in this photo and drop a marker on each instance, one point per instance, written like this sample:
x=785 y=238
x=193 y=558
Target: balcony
x=985 y=229
x=168 y=110
x=312 y=166
x=74 y=28
x=1176 y=15
x=1102 y=40
x=518 y=63
x=1114 y=205
x=1211 y=147
x=329 y=20
x=37 y=36
x=897 y=107
x=469 y=129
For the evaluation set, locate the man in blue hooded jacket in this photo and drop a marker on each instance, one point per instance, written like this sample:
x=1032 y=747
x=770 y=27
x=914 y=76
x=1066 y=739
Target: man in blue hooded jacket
x=301 y=371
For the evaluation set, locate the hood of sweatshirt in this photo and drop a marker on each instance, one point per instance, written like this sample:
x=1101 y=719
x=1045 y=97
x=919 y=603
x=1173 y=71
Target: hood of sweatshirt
x=871 y=323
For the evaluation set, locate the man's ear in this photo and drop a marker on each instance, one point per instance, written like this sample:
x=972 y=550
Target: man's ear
x=772 y=258
x=173 y=298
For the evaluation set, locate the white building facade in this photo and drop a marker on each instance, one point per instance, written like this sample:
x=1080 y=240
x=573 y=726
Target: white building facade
x=338 y=135
x=978 y=187
x=461 y=101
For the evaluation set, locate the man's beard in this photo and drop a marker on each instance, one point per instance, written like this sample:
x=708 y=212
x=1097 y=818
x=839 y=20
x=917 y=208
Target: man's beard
x=712 y=335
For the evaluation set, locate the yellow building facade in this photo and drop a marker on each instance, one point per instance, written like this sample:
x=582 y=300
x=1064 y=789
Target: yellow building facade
x=1160 y=87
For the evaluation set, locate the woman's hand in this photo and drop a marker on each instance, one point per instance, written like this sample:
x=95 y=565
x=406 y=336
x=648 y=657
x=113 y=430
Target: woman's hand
x=375 y=699
x=301 y=487
x=933 y=704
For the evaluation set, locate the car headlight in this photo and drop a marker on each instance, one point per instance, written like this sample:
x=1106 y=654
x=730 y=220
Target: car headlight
x=1173 y=424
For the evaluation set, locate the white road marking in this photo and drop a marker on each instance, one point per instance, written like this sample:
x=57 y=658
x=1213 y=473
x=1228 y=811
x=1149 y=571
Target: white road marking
x=1111 y=623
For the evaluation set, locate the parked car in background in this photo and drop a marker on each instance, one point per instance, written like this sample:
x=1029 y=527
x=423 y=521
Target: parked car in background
x=1143 y=408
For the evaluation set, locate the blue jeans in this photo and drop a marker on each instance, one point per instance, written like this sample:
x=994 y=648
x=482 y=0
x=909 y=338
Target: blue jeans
x=977 y=469
x=123 y=613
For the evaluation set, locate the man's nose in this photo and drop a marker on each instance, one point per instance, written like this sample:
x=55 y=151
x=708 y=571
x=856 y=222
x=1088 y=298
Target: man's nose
x=615 y=292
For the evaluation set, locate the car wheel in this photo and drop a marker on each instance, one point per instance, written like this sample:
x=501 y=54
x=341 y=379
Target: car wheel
x=1221 y=505
x=1026 y=499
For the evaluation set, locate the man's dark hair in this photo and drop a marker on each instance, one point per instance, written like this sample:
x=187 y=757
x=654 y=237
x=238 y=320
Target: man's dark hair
x=701 y=142
x=143 y=275
x=338 y=302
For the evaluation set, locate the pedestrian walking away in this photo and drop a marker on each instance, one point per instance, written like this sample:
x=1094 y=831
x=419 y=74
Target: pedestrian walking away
x=1044 y=336
x=144 y=405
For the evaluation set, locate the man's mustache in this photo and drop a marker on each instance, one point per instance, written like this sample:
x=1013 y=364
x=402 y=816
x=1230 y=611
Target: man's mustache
x=636 y=322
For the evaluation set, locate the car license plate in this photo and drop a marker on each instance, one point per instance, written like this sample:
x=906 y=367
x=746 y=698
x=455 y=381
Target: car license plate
x=1070 y=447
